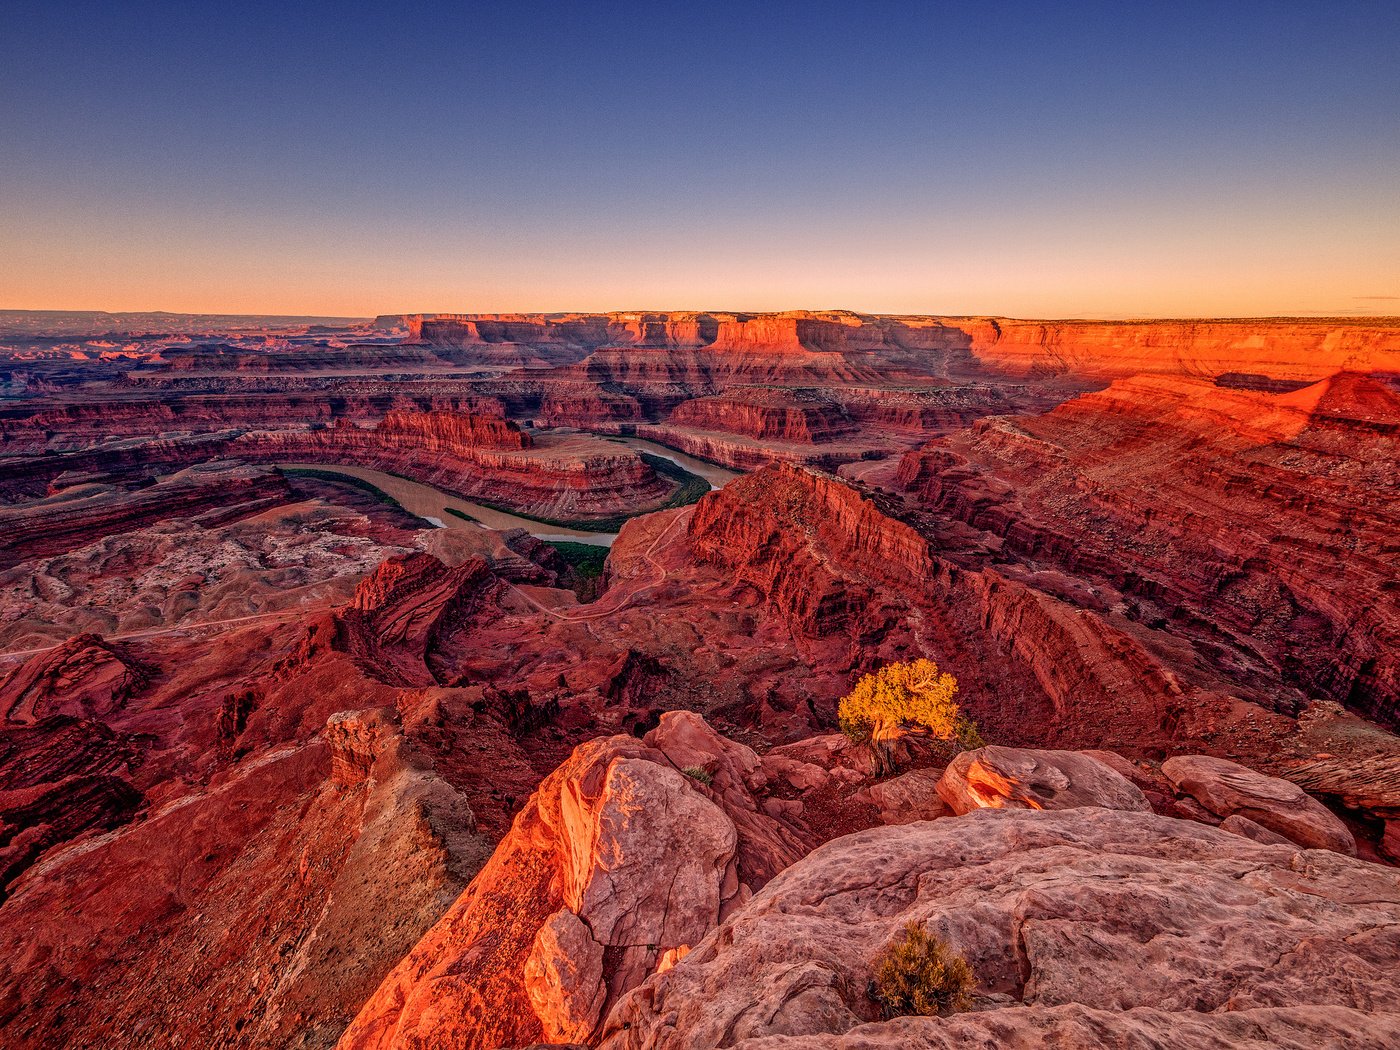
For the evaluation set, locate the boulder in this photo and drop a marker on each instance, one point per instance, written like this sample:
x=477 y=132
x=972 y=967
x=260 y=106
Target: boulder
x=908 y=797
x=1083 y=927
x=1020 y=778
x=564 y=978
x=1229 y=789
x=1244 y=826
x=618 y=863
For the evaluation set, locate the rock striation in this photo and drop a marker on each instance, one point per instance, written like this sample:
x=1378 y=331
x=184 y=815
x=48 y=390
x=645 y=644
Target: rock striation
x=1253 y=525
x=798 y=416
x=813 y=547
x=1229 y=789
x=1019 y=778
x=85 y=677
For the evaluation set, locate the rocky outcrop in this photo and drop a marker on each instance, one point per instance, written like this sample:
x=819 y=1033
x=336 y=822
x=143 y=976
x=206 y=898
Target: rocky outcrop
x=1283 y=348
x=1084 y=927
x=85 y=677
x=629 y=852
x=59 y=778
x=742 y=453
x=1019 y=778
x=1229 y=789
x=1369 y=784
x=906 y=798
x=854 y=587
x=81 y=513
x=449 y=433
x=784 y=333
x=816 y=549
x=482 y=458
x=1253 y=525
x=782 y=415
x=400 y=612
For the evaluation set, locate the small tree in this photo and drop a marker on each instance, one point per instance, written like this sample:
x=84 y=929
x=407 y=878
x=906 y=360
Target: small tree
x=918 y=975
x=899 y=697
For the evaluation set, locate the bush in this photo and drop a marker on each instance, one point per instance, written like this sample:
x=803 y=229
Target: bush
x=920 y=976
x=699 y=773
x=587 y=559
x=903 y=696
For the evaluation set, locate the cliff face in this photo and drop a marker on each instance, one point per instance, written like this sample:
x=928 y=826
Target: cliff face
x=618 y=863
x=1290 y=349
x=663 y=329
x=1256 y=524
x=451 y=433
x=401 y=611
x=813 y=547
x=767 y=414
x=1278 y=348
x=855 y=588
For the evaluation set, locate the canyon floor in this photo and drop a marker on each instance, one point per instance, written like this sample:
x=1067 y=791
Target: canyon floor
x=472 y=680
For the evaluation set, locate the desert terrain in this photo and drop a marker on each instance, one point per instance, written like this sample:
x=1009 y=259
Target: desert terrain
x=472 y=680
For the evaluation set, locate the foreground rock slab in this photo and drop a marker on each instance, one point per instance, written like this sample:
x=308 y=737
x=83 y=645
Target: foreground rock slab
x=1085 y=927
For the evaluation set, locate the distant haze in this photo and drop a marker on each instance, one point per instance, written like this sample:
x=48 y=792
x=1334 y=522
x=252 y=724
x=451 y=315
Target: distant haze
x=1031 y=160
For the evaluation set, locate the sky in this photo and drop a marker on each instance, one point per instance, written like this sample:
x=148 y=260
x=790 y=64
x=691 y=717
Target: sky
x=1231 y=158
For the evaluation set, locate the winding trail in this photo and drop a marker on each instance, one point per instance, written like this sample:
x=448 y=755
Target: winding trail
x=627 y=590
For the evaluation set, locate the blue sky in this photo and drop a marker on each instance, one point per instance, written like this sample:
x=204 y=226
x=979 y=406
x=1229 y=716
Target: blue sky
x=1024 y=159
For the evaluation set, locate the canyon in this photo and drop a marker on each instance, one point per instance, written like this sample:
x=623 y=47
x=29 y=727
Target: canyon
x=287 y=762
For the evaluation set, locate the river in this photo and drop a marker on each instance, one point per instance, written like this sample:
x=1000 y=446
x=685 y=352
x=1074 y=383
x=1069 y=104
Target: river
x=432 y=505
x=717 y=476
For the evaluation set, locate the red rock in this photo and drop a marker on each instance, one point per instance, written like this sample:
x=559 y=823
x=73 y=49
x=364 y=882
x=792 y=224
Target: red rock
x=908 y=797
x=1018 y=778
x=617 y=846
x=1369 y=783
x=1085 y=926
x=1249 y=829
x=767 y=415
x=85 y=677
x=80 y=514
x=1286 y=349
x=357 y=739
x=479 y=458
x=1283 y=596
x=244 y=845
x=564 y=978
x=813 y=546
x=1230 y=789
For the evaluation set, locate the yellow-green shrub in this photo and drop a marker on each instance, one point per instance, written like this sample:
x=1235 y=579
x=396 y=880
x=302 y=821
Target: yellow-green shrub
x=919 y=975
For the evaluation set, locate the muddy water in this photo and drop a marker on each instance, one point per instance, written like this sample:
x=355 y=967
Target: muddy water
x=717 y=476
x=432 y=504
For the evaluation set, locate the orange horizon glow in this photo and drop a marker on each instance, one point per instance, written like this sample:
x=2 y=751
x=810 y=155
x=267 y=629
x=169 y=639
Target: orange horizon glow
x=1157 y=267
